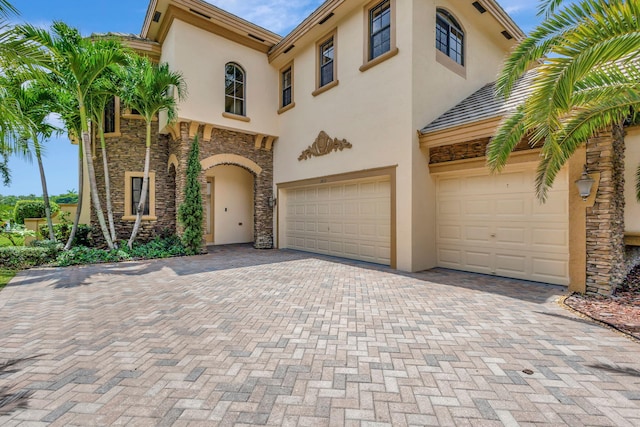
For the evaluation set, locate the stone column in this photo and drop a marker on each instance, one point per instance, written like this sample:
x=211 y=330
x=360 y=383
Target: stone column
x=183 y=146
x=263 y=212
x=605 y=220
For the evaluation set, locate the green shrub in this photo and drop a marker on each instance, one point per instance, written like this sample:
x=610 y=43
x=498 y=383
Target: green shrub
x=31 y=209
x=160 y=247
x=157 y=248
x=14 y=234
x=22 y=257
x=64 y=200
x=190 y=211
x=84 y=255
x=63 y=230
x=54 y=248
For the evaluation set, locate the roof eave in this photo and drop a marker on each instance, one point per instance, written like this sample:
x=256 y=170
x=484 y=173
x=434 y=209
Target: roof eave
x=504 y=19
x=324 y=10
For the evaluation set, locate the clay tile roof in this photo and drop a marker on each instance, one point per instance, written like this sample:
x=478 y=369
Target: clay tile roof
x=481 y=105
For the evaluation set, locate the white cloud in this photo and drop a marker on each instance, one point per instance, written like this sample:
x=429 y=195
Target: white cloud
x=279 y=16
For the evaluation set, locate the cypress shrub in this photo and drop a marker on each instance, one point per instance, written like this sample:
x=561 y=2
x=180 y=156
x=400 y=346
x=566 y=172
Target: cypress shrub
x=190 y=212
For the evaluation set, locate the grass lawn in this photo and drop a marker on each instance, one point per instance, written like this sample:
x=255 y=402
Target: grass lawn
x=6 y=276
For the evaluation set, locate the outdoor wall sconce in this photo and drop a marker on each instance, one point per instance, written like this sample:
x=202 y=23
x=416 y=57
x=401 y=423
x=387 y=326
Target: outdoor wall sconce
x=585 y=183
x=272 y=202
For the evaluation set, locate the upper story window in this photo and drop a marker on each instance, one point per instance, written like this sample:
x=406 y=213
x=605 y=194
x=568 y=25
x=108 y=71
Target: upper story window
x=380 y=29
x=234 y=89
x=326 y=52
x=449 y=36
x=379 y=32
x=326 y=63
x=287 y=86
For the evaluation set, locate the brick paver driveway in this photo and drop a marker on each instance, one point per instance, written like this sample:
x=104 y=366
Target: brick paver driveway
x=282 y=338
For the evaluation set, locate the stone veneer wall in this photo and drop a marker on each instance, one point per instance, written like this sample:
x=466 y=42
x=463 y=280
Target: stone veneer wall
x=605 y=220
x=241 y=144
x=126 y=153
x=465 y=150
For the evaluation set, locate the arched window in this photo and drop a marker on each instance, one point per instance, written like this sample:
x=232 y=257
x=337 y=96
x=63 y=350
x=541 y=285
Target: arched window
x=449 y=36
x=234 y=89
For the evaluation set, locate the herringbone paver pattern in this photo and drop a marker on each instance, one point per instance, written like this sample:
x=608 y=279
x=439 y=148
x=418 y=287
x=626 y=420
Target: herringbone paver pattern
x=245 y=337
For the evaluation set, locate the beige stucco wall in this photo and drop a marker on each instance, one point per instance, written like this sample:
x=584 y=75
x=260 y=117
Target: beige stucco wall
x=631 y=163
x=201 y=57
x=369 y=109
x=233 y=205
x=436 y=88
x=379 y=111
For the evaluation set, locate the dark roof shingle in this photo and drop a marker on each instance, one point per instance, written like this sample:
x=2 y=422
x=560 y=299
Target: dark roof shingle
x=482 y=105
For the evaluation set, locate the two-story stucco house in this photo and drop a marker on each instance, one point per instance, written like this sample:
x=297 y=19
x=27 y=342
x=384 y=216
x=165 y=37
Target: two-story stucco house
x=361 y=134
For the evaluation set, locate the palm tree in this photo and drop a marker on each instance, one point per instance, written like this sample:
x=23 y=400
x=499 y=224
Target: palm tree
x=103 y=92
x=77 y=63
x=587 y=79
x=70 y=115
x=35 y=103
x=149 y=88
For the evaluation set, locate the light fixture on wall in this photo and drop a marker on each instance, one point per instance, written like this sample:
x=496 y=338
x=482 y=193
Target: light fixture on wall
x=585 y=183
x=272 y=202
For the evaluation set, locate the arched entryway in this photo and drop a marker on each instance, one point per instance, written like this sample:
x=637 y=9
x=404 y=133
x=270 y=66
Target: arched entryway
x=236 y=198
x=229 y=205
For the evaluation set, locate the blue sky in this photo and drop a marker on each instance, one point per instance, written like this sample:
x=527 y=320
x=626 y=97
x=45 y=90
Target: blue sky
x=89 y=16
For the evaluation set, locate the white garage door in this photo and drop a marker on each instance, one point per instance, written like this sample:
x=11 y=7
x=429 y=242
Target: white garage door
x=350 y=219
x=494 y=224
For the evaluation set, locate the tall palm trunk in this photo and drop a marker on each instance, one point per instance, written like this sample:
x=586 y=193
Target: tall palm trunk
x=76 y=220
x=95 y=197
x=145 y=186
x=107 y=189
x=45 y=192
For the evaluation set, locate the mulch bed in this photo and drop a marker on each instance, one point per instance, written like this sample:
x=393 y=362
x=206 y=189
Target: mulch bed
x=620 y=311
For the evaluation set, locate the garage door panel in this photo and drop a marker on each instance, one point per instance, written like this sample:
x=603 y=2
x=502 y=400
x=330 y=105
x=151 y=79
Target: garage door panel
x=350 y=190
x=353 y=218
x=478 y=259
x=513 y=207
x=518 y=235
x=551 y=268
x=367 y=231
x=450 y=232
x=476 y=184
x=450 y=185
x=477 y=208
x=449 y=207
x=477 y=233
x=507 y=263
x=351 y=229
x=494 y=224
x=451 y=258
x=553 y=206
x=323 y=245
x=550 y=236
x=368 y=208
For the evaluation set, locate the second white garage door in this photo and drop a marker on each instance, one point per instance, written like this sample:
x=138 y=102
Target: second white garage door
x=493 y=224
x=350 y=219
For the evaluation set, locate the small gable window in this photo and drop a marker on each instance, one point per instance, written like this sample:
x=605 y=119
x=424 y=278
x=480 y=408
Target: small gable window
x=234 y=89
x=449 y=36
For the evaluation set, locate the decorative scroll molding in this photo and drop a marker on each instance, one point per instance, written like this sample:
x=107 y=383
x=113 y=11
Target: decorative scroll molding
x=324 y=145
